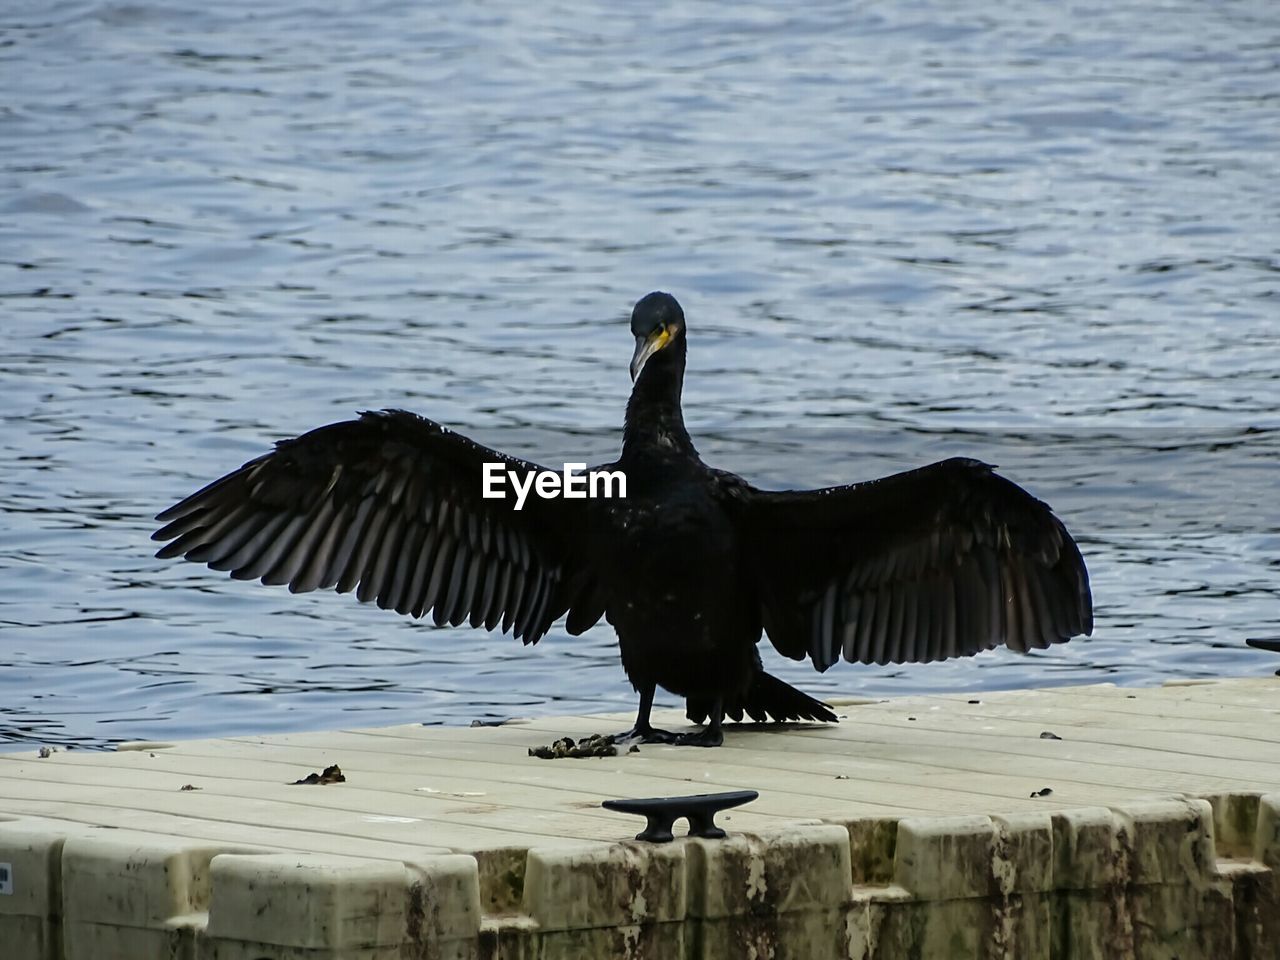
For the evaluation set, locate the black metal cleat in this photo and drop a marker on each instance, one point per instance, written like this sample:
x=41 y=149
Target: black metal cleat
x=700 y=810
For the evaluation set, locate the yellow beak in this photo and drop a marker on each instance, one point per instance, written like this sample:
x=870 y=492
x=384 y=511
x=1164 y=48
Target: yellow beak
x=647 y=348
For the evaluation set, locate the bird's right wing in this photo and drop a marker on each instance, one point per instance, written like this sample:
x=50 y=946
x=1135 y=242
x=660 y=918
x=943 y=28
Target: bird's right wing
x=938 y=562
x=390 y=505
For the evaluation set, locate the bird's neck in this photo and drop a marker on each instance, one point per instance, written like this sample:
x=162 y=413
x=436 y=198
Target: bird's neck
x=655 y=423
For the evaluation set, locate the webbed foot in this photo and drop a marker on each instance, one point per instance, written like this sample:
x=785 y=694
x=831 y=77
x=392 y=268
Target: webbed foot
x=706 y=737
x=645 y=735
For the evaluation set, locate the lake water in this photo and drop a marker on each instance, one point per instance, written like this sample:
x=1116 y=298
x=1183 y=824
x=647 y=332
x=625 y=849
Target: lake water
x=1036 y=233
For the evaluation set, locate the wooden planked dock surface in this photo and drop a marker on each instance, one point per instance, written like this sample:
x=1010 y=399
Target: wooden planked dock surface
x=416 y=793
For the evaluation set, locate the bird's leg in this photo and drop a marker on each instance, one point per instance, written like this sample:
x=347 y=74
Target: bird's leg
x=709 y=736
x=643 y=730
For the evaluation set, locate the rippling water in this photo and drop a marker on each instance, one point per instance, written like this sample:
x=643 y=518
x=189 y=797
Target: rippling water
x=1038 y=234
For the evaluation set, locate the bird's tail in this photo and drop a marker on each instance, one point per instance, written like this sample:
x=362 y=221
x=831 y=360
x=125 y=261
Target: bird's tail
x=768 y=698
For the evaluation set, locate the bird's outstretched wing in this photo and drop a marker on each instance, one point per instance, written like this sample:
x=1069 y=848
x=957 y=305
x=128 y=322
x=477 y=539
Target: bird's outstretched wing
x=389 y=505
x=943 y=561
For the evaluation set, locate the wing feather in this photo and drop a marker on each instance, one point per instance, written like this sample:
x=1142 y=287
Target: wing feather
x=493 y=610
x=365 y=540
x=252 y=546
x=377 y=585
x=364 y=564
x=948 y=645
x=450 y=603
x=852 y=647
x=939 y=562
x=438 y=587
x=389 y=505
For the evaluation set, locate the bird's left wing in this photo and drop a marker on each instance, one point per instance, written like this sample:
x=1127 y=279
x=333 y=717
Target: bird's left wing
x=938 y=562
x=390 y=505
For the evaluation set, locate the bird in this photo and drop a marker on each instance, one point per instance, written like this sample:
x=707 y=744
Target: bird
x=692 y=567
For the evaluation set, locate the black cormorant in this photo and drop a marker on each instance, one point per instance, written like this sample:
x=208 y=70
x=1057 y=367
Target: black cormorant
x=690 y=567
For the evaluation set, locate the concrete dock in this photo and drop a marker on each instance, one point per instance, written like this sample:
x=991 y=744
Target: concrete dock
x=1090 y=822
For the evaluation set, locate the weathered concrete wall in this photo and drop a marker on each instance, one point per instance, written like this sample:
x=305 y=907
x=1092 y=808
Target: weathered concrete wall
x=1191 y=879
x=1141 y=881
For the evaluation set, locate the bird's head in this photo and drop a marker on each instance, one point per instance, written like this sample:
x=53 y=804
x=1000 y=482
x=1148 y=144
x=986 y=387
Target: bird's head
x=657 y=322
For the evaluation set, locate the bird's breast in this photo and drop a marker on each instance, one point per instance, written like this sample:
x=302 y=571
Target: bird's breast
x=672 y=572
